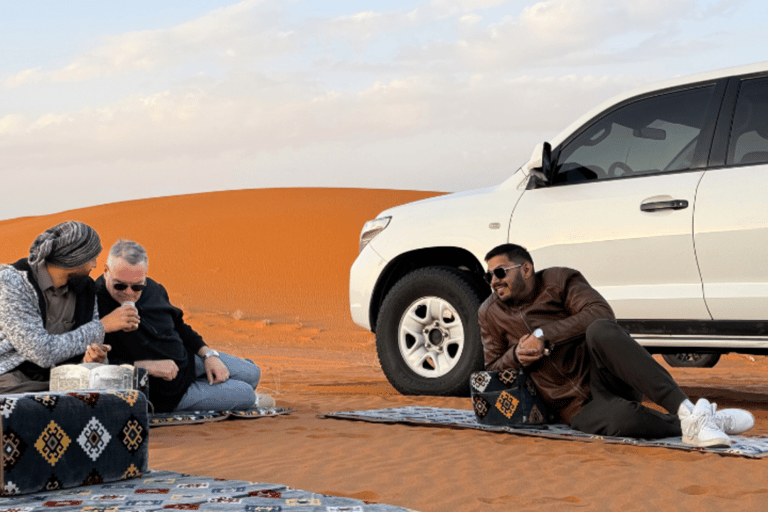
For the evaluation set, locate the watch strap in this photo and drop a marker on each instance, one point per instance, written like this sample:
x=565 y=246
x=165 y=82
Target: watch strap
x=539 y=333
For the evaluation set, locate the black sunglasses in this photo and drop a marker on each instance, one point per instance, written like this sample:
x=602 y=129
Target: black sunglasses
x=122 y=286
x=499 y=272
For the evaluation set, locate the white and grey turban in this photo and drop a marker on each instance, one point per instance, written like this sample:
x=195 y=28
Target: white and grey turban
x=68 y=245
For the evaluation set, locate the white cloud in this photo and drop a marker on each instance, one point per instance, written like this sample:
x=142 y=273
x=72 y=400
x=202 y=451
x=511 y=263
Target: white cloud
x=12 y=123
x=467 y=5
x=242 y=35
x=470 y=18
x=46 y=121
x=209 y=124
x=362 y=16
x=568 y=33
x=211 y=37
x=362 y=25
x=28 y=76
x=375 y=99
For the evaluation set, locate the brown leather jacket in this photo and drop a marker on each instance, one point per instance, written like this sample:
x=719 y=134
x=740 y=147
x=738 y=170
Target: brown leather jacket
x=564 y=305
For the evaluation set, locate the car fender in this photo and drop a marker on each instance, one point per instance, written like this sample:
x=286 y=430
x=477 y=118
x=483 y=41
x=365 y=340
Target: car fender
x=476 y=221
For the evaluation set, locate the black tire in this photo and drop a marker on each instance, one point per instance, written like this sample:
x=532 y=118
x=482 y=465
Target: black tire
x=691 y=360
x=449 y=361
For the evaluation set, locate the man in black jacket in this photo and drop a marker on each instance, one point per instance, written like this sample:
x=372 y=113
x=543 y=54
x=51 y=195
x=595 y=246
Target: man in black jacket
x=185 y=373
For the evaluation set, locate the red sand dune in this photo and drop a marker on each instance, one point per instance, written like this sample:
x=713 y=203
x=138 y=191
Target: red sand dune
x=264 y=274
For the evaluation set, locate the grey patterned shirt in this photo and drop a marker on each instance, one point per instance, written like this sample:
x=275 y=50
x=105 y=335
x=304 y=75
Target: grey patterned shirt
x=22 y=334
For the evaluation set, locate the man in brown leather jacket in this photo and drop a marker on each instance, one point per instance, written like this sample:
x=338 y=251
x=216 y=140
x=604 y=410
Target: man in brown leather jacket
x=585 y=366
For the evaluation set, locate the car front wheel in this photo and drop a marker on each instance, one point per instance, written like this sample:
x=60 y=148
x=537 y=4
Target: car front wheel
x=427 y=335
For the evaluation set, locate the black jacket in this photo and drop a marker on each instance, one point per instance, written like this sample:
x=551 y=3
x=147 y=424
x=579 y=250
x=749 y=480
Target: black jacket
x=162 y=334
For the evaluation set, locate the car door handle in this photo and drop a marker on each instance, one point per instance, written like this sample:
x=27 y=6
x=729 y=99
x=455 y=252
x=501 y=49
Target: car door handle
x=654 y=206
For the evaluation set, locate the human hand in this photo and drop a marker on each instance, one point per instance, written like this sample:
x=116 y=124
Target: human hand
x=165 y=369
x=96 y=353
x=216 y=370
x=124 y=318
x=529 y=349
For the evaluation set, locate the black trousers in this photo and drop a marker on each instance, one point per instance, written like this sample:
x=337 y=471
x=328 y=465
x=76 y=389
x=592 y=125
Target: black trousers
x=16 y=381
x=621 y=373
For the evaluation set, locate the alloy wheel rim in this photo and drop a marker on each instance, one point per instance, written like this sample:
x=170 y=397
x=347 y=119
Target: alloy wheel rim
x=431 y=337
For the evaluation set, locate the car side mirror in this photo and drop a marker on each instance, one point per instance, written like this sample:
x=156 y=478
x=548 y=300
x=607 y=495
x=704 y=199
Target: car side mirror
x=547 y=165
x=540 y=165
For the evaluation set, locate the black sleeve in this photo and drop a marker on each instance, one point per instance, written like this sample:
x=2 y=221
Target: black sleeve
x=193 y=342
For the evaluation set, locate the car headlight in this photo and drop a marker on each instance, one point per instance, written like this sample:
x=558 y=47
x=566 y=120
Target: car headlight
x=371 y=229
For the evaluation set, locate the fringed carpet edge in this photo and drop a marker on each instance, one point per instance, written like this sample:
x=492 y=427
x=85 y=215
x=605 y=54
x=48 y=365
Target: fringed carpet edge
x=168 y=490
x=751 y=447
x=195 y=417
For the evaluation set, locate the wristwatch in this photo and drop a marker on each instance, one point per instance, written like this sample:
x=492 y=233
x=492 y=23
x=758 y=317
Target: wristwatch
x=539 y=333
x=210 y=353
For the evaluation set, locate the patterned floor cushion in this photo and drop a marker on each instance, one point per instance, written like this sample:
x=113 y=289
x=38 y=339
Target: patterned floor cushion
x=508 y=397
x=65 y=439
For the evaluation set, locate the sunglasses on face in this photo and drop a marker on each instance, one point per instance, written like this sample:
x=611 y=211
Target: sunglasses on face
x=123 y=286
x=499 y=272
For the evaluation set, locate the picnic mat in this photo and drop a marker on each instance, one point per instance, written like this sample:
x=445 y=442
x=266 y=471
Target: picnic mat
x=167 y=490
x=753 y=447
x=193 y=417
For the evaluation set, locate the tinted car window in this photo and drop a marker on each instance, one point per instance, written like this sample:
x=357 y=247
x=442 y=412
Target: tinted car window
x=749 y=133
x=652 y=135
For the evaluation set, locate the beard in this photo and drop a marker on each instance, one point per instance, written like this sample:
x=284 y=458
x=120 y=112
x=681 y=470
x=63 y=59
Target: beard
x=78 y=282
x=515 y=289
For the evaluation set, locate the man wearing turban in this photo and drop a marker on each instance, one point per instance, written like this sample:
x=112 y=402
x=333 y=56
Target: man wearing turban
x=48 y=311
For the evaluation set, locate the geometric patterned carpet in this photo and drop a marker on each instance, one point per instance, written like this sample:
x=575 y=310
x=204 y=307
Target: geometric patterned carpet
x=742 y=446
x=166 y=490
x=194 y=417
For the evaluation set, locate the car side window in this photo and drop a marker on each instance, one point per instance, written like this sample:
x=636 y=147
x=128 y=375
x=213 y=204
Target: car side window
x=652 y=135
x=748 y=143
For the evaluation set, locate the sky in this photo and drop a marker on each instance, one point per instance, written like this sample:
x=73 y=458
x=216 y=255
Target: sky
x=118 y=100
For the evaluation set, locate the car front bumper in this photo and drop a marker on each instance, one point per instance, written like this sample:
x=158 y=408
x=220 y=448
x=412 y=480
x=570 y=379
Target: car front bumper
x=363 y=276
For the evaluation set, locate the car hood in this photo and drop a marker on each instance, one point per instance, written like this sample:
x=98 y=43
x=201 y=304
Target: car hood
x=472 y=220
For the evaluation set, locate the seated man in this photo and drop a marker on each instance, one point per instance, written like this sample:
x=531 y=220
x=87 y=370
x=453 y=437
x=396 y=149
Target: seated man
x=48 y=309
x=584 y=365
x=185 y=373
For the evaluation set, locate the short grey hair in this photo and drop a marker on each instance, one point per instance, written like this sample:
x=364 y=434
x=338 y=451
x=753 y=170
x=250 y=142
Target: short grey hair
x=130 y=251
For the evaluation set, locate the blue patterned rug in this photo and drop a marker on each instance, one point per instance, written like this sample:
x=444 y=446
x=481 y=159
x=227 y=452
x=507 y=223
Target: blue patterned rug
x=753 y=447
x=166 y=490
x=190 y=418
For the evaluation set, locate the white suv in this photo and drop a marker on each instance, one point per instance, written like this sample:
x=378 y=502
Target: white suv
x=658 y=197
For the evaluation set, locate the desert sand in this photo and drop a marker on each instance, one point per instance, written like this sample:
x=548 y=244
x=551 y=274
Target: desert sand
x=264 y=274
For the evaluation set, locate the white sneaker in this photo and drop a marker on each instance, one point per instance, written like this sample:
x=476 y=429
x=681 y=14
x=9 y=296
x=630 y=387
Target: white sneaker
x=734 y=421
x=730 y=421
x=699 y=427
x=264 y=401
